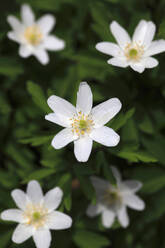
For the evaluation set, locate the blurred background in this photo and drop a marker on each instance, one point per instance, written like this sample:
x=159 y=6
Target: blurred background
x=25 y=137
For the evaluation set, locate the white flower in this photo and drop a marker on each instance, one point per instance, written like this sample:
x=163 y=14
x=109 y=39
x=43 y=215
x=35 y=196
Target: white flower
x=33 y=36
x=83 y=124
x=36 y=214
x=135 y=53
x=113 y=200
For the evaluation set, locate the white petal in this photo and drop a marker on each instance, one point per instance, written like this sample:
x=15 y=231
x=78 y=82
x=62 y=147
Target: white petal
x=84 y=98
x=109 y=48
x=123 y=217
x=12 y=215
x=14 y=23
x=46 y=23
x=133 y=185
x=120 y=34
x=140 y=32
x=157 y=46
x=12 y=36
x=63 y=138
x=144 y=33
x=42 y=56
x=139 y=67
x=42 y=238
x=34 y=192
x=22 y=233
x=120 y=62
x=53 y=43
x=150 y=62
x=150 y=32
x=94 y=210
x=61 y=106
x=53 y=198
x=105 y=136
x=58 y=119
x=27 y=15
x=20 y=198
x=24 y=51
x=59 y=221
x=83 y=148
x=99 y=183
x=116 y=174
x=108 y=218
x=105 y=111
x=133 y=201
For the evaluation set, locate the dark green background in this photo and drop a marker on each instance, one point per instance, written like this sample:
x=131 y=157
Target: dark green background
x=25 y=135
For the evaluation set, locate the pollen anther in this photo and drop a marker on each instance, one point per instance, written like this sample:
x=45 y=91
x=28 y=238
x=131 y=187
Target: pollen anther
x=82 y=124
x=134 y=51
x=33 y=35
x=35 y=215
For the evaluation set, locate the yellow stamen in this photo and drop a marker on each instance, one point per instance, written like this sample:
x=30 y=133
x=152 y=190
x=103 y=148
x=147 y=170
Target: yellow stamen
x=82 y=124
x=134 y=51
x=35 y=215
x=112 y=198
x=33 y=35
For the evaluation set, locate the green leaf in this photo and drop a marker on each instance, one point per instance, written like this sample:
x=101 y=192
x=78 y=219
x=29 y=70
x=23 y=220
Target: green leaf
x=5 y=238
x=65 y=183
x=156 y=147
x=101 y=18
x=48 y=5
x=10 y=67
x=5 y=107
x=39 y=174
x=130 y=133
x=85 y=185
x=38 y=96
x=88 y=239
x=82 y=171
x=153 y=179
x=7 y=180
x=121 y=119
x=21 y=158
x=155 y=207
x=137 y=156
x=38 y=140
x=146 y=125
x=161 y=32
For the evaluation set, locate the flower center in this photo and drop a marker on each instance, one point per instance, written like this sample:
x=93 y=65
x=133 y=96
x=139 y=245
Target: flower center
x=33 y=35
x=112 y=198
x=134 y=52
x=35 y=215
x=82 y=124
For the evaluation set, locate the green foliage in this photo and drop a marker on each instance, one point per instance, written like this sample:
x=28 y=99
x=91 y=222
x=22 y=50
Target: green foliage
x=10 y=67
x=88 y=239
x=121 y=119
x=38 y=96
x=25 y=138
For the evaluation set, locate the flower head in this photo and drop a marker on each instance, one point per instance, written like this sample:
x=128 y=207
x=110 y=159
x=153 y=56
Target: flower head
x=112 y=200
x=135 y=52
x=36 y=214
x=33 y=36
x=83 y=124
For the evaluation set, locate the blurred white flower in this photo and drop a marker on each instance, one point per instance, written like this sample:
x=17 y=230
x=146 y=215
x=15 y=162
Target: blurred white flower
x=36 y=214
x=83 y=124
x=135 y=53
x=33 y=36
x=113 y=200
